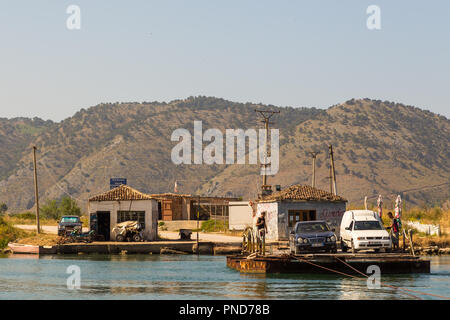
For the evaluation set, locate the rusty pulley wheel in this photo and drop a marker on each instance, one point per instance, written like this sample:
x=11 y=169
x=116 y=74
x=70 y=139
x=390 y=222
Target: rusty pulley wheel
x=247 y=240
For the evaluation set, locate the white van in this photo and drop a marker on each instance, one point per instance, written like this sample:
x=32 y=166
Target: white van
x=363 y=229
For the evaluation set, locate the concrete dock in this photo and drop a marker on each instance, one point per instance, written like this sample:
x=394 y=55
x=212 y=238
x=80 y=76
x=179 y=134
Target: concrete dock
x=154 y=247
x=389 y=263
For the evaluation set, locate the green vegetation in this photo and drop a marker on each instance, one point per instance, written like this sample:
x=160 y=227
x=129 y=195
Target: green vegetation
x=54 y=209
x=8 y=233
x=425 y=215
x=25 y=216
x=214 y=226
x=3 y=208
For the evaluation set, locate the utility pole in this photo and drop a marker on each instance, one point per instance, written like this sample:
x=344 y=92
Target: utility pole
x=314 y=155
x=333 y=172
x=266 y=114
x=36 y=191
x=198 y=217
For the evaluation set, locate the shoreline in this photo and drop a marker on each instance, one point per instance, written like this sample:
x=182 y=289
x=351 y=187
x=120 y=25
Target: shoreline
x=165 y=247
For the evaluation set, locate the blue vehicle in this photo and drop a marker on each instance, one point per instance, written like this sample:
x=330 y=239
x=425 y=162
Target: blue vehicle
x=312 y=236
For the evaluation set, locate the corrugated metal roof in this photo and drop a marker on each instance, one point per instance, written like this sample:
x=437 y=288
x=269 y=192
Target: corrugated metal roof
x=121 y=193
x=302 y=193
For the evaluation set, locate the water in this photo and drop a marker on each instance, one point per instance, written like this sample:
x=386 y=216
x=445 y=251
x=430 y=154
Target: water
x=191 y=277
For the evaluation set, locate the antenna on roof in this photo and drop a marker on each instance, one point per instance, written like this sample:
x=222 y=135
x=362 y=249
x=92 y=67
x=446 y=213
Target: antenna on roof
x=266 y=114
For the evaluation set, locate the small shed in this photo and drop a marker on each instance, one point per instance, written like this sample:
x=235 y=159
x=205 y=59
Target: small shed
x=300 y=203
x=123 y=204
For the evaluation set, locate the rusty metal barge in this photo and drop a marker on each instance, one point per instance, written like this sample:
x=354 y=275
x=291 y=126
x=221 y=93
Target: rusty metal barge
x=339 y=263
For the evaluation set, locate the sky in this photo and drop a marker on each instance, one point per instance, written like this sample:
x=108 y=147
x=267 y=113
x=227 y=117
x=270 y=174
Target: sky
x=286 y=53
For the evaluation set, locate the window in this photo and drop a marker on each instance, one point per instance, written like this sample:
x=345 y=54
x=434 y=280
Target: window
x=367 y=225
x=312 y=227
x=70 y=219
x=300 y=215
x=131 y=216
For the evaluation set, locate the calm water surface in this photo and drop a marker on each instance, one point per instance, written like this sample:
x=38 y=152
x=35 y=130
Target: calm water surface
x=191 y=277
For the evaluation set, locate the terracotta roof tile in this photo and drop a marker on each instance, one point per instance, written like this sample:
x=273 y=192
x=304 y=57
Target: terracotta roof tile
x=302 y=193
x=170 y=195
x=121 y=193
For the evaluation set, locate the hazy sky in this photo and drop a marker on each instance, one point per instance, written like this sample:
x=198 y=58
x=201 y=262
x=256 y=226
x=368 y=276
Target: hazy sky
x=286 y=53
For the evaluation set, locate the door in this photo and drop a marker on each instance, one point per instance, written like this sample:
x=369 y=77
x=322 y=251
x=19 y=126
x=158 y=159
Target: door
x=167 y=212
x=347 y=233
x=103 y=224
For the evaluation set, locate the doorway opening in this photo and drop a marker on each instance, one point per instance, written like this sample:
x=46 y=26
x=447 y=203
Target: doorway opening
x=103 y=224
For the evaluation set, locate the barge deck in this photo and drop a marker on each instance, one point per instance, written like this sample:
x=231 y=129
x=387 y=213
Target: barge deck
x=389 y=263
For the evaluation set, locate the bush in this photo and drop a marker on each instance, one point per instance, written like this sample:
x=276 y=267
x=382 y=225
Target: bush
x=8 y=233
x=433 y=215
x=3 y=208
x=214 y=226
x=25 y=216
x=53 y=209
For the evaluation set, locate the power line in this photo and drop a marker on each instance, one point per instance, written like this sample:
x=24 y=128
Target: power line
x=412 y=190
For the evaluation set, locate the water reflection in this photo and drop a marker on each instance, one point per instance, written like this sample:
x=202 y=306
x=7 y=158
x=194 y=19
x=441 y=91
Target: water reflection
x=189 y=277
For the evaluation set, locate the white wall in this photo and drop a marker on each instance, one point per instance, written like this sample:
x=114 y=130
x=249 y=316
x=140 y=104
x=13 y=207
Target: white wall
x=272 y=223
x=149 y=206
x=425 y=228
x=240 y=215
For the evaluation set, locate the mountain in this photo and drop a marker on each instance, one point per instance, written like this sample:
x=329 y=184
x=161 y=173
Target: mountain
x=15 y=135
x=380 y=147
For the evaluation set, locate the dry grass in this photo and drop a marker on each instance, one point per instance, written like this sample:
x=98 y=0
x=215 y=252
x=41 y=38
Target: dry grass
x=442 y=241
x=31 y=220
x=42 y=239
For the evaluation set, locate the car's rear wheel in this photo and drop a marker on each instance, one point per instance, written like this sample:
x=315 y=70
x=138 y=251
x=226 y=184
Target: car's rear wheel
x=120 y=238
x=136 y=238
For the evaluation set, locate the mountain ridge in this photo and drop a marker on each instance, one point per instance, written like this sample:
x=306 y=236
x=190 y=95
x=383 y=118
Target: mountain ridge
x=79 y=154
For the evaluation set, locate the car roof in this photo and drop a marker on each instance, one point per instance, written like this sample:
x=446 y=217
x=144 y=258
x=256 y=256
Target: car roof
x=365 y=218
x=312 y=221
x=362 y=212
x=70 y=217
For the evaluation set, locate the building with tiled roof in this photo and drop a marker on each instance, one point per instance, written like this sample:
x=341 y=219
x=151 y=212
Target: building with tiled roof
x=122 y=204
x=303 y=193
x=299 y=203
x=125 y=203
x=121 y=193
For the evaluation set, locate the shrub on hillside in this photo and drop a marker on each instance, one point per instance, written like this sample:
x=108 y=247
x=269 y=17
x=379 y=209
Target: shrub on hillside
x=3 y=208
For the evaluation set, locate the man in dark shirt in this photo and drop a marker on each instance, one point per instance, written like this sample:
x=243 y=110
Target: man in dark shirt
x=261 y=223
x=261 y=232
x=394 y=231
